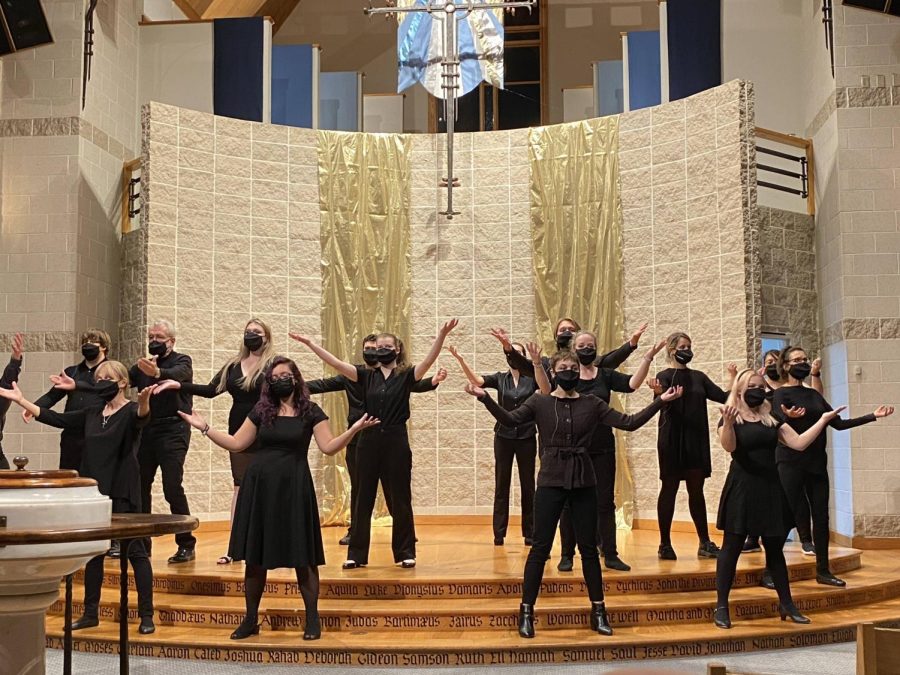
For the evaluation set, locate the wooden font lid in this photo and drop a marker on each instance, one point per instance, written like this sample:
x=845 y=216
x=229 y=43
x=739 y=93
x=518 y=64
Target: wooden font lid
x=20 y=478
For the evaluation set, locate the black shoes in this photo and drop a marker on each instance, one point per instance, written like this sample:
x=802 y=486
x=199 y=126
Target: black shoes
x=599 y=620
x=85 y=622
x=147 y=627
x=708 y=549
x=666 y=552
x=351 y=565
x=529 y=541
x=498 y=541
x=247 y=628
x=791 y=612
x=614 y=562
x=345 y=540
x=313 y=629
x=828 y=579
x=114 y=550
x=767 y=581
x=565 y=563
x=721 y=617
x=526 y=620
x=751 y=545
x=182 y=555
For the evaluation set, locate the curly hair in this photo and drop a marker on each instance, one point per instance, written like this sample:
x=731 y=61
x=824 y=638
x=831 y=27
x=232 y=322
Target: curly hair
x=268 y=406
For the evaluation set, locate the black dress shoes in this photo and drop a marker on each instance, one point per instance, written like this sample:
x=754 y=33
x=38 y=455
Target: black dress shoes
x=721 y=617
x=565 y=563
x=85 y=622
x=247 y=628
x=182 y=555
x=599 y=620
x=828 y=579
x=147 y=627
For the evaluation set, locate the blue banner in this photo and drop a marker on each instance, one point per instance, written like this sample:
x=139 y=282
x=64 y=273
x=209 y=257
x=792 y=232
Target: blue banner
x=238 y=68
x=339 y=98
x=609 y=87
x=695 y=46
x=644 y=81
x=292 y=85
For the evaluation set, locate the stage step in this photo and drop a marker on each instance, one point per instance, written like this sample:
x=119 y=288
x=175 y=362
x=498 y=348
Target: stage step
x=480 y=647
x=286 y=613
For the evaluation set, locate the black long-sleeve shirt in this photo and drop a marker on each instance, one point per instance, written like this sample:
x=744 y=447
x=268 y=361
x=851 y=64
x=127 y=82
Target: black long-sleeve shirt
x=566 y=427
x=356 y=392
x=612 y=359
x=814 y=458
x=510 y=396
x=10 y=375
x=242 y=400
x=172 y=366
x=80 y=398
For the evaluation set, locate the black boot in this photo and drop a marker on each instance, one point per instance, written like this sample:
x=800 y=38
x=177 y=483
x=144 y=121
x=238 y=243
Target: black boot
x=599 y=620
x=565 y=563
x=790 y=611
x=313 y=630
x=248 y=627
x=147 y=627
x=721 y=617
x=766 y=581
x=526 y=620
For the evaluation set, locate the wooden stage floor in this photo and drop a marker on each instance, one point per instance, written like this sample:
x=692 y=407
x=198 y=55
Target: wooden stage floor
x=459 y=605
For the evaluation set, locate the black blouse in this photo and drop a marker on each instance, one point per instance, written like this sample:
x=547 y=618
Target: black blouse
x=566 y=427
x=78 y=399
x=387 y=399
x=612 y=359
x=602 y=386
x=110 y=448
x=511 y=395
x=242 y=400
x=289 y=434
x=814 y=458
x=165 y=406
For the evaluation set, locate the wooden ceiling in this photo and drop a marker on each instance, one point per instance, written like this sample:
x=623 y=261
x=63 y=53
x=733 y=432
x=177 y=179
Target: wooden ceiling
x=279 y=10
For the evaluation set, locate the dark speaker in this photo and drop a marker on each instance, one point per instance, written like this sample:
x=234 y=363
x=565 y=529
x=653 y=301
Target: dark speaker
x=886 y=6
x=22 y=25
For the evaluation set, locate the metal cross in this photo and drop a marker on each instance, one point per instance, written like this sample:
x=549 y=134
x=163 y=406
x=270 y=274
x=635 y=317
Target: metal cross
x=449 y=11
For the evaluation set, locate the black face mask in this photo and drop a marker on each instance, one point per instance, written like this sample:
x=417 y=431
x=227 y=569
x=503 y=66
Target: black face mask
x=89 y=351
x=754 y=397
x=567 y=380
x=510 y=357
x=385 y=355
x=370 y=356
x=772 y=372
x=586 y=356
x=157 y=348
x=564 y=339
x=107 y=389
x=252 y=341
x=282 y=388
x=684 y=356
x=800 y=371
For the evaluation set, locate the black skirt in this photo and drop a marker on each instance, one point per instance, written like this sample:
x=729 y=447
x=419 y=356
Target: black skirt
x=754 y=504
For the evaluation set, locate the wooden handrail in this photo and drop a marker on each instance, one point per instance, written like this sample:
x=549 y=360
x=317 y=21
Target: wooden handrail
x=779 y=137
x=128 y=169
x=797 y=142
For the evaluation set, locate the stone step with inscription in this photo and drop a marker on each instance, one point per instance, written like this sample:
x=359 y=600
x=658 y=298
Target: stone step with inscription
x=436 y=583
x=286 y=613
x=416 y=648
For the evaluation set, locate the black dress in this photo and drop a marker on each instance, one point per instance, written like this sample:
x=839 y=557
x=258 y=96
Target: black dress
x=10 y=375
x=276 y=521
x=753 y=501
x=242 y=402
x=683 y=441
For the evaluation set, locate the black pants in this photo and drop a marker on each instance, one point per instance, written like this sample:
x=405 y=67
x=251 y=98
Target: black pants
x=4 y=463
x=801 y=485
x=548 y=505
x=352 y=472
x=523 y=451
x=605 y=472
x=385 y=455
x=726 y=564
x=138 y=556
x=71 y=448
x=164 y=446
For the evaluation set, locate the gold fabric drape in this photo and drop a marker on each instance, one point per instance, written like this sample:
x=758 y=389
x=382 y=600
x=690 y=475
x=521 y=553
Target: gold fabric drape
x=576 y=219
x=364 y=202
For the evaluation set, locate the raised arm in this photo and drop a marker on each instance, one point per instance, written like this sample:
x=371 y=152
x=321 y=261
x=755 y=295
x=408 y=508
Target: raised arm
x=427 y=384
x=470 y=374
x=618 y=356
x=815 y=376
x=800 y=442
x=348 y=370
x=732 y=371
x=210 y=390
x=241 y=440
x=726 y=432
x=330 y=444
x=638 y=377
x=423 y=366
x=713 y=391
x=537 y=366
x=842 y=424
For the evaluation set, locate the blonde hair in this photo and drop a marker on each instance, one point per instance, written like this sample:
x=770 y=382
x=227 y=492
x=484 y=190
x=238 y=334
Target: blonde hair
x=671 y=341
x=119 y=371
x=584 y=332
x=268 y=353
x=736 y=399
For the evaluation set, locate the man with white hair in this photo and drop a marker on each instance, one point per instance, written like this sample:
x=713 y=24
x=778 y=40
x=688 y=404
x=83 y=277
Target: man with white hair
x=164 y=443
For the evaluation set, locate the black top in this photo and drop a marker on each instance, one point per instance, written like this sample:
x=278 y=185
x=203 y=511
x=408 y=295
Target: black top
x=754 y=451
x=288 y=433
x=511 y=396
x=814 y=458
x=606 y=382
x=355 y=392
x=110 y=450
x=165 y=406
x=10 y=375
x=612 y=359
x=566 y=427
x=242 y=400
x=683 y=440
x=387 y=399
x=79 y=398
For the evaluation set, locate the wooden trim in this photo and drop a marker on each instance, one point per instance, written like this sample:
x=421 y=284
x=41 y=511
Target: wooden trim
x=128 y=169
x=188 y=9
x=172 y=22
x=810 y=180
x=866 y=543
x=778 y=137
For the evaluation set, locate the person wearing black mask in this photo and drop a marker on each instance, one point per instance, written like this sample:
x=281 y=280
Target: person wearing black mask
x=164 y=444
x=805 y=475
x=355 y=395
x=242 y=378
x=276 y=523
x=566 y=422
x=111 y=430
x=601 y=382
x=682 y=444
x=752 y=498
x=512 y=443
x=384 y=453
x=95 y=345
x=10 y=375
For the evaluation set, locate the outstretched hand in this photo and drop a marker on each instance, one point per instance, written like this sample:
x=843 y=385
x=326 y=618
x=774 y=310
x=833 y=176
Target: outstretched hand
x=18 y=346
x=14 y=394
x=732 y=370
x=439 y=376
x=729 y=414
x=501 y=335
x=453 y=351
x=655 y=386
x=63 y=381
x=147 y=365
x=145 y=394
x=534 y=351
x=166 y=385
x=636 y=336
x=302 y=339
x=656 y=349
x=448 y=327
x=829 y=415
x=195 y=419
x=475 y=391
x=672 y=393
x=793 y=412
x=365 y=422
x=884 y=411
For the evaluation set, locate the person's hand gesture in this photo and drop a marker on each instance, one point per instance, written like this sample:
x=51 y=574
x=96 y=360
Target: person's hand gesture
x=453 y=351
x=884 y=411
x=829 y=415
x=729 y=414
x=501 y=335
x=534 y=351
x=477 y=392
x=18 y=346
x=636 y=336
x=302 y=339
x=145 y=394
x=439 y=376
x=15 y=394
x=147 y=365
x=794 y=412
x=732 y=370
x=166 y=385
x=655 y=386
x=815 y=367
x=365 y=422
x=672 y=393
x=63 y=381
x=448 y=327
x=195 y=419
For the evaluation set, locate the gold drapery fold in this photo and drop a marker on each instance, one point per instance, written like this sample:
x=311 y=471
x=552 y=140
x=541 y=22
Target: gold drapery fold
x=364 y=202
x=576 y=220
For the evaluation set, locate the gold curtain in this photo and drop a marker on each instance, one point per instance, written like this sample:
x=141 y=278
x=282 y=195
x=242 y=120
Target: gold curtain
x=364 y=202
x=576 y=219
